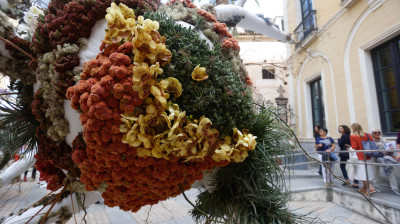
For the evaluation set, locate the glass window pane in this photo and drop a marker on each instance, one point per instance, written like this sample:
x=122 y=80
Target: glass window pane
x=393 y=121
x=321 y=95
x=387 y=78
x=305 y=7
x=384 y=57
x=317 y=103
x=316 y=117
x=387 y=64
x=314 y=89
x=398 y=50
x=390 y=99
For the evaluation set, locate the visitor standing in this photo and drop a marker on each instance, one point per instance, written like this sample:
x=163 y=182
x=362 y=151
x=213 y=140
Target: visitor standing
x=325 y=145
x=356 y=143
x=344 y=140
x=316 y=135
x=381 y=143
x=387 y=158
x=33 y=175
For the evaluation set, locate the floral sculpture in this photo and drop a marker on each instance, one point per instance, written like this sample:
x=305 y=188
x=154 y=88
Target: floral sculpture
x=163 y=101
x=139 y=142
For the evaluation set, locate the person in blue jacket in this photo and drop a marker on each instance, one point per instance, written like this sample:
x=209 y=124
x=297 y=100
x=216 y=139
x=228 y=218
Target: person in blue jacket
x=326 y=145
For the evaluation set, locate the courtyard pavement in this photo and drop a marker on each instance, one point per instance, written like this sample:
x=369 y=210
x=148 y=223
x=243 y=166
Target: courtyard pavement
x=176 y=210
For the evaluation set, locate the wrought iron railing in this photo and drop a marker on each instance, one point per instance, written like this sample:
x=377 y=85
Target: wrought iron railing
x=306 y=26
x=365 y=162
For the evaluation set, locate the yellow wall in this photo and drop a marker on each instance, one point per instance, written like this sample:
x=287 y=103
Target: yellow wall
x=326 y=9
x=327 y=52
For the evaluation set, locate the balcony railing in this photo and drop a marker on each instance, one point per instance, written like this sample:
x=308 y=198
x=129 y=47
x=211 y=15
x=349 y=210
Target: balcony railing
x=306 y=26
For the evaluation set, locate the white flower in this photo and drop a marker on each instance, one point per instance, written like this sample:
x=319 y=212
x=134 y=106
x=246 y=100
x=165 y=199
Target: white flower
x=28 y=17
x=31 y=17
x=35 y=10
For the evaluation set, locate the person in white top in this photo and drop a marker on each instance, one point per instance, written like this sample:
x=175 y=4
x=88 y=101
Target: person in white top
x=389 y=158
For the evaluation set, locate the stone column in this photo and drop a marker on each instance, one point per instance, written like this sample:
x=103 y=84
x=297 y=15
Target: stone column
x=282 y=102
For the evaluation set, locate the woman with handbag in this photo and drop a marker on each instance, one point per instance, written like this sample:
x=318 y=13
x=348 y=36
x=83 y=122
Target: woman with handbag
x=358 y=138
x=325 y=145
x=344 y=140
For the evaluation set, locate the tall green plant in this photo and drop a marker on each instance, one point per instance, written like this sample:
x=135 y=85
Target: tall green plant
x=17 y=123
x=253 y=191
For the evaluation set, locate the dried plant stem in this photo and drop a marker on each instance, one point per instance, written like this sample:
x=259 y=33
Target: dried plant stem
x=73 y=209
x=54 y=203
x=19 y=213
x=40 y=210
x=18 y=48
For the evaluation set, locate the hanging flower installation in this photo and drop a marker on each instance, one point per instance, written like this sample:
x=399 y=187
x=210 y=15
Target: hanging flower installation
x=131 y=126
x=162 y=99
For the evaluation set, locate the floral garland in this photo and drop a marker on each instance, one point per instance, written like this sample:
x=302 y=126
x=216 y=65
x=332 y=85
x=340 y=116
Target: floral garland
x=60 y=33
x=52 y=157
x=52 y=101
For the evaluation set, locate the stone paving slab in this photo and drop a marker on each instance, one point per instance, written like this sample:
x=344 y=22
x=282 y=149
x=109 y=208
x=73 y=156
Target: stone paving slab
x=173 y=211
x=99 y=217
x=161 y=212
x=7 y=209
x=117 y=216
x=329 y=212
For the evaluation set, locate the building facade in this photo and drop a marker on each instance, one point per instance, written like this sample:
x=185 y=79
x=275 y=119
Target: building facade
x=264 y=59
x=344 y=65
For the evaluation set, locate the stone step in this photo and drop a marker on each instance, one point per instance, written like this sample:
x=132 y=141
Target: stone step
x=314 y=190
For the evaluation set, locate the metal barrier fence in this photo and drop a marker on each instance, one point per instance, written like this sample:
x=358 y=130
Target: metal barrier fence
x=365 y=163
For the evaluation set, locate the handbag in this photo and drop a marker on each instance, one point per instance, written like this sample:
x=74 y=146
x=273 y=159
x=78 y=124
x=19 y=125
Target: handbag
x=371 y=145
x=353 y=155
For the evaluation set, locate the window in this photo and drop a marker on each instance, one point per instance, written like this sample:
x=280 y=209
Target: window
x=317 y=103
x=307 y=24
x=386 y=60
x=306 y=7
x=308 y=21
x=268 y=74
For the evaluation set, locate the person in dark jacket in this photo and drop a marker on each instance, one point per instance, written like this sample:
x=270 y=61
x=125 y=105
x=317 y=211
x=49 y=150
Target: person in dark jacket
x=344 y=140
x=316 y=135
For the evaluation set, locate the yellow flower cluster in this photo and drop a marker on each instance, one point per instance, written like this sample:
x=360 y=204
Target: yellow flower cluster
x=148 y=44
x=236 y=149
x=171 y=132
x=158 y=128
x=120 y=21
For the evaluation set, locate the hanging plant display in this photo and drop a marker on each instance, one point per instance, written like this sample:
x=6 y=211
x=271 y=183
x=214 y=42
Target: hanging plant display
x=138 y=141
x=139 y=101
